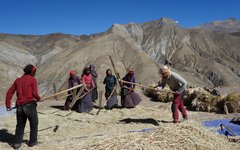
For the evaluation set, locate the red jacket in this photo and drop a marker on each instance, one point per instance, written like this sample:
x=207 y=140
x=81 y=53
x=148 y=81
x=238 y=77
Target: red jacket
x=27 y=90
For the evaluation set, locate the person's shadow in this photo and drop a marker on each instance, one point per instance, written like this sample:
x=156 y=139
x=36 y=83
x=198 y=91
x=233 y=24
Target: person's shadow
x=6 y=137
x=58 y=107
x=145 y=121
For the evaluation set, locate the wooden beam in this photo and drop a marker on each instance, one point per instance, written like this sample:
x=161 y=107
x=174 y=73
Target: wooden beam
x=115 y=71
x=100 y=101
x=143 y=86
x=59 y=93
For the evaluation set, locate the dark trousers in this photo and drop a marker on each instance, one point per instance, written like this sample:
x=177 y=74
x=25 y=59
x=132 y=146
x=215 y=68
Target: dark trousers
x=68 y=102
x=24 y=112
x=177 y=104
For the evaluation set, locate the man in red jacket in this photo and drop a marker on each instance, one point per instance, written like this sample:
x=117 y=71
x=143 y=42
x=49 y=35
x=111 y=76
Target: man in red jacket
x=27 y=97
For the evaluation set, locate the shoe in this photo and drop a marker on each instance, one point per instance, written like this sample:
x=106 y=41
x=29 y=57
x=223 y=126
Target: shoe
x=31 y=144
x=16 y=146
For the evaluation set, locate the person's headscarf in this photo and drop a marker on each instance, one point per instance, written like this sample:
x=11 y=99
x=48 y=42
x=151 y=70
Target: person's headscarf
x=30 y=70
x=91 y=67
x=72 y=73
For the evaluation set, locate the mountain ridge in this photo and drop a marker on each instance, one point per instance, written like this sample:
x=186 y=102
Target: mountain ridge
x=204 y=57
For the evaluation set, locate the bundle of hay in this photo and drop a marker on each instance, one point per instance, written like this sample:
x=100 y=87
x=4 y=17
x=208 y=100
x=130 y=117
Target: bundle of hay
x=232 y=103
x=160 y=96
x=203 y=101
x=199 y=99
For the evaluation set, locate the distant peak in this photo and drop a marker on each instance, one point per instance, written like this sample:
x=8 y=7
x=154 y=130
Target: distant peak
x=164 y=21
x=229 y=25
x=117 y=28
x=167 y=20
x=161 y=22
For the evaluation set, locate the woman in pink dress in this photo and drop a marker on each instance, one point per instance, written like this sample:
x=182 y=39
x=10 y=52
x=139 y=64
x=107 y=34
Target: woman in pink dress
x=85 y=104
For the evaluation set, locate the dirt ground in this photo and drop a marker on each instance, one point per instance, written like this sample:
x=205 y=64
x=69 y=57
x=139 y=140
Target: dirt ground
x=148 y=126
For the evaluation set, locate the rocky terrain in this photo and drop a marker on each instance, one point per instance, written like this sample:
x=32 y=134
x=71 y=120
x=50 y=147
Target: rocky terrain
x=204 y=57
x=231 y=25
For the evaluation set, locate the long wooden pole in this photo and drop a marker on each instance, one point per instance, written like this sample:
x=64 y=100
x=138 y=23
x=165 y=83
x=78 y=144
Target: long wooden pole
x=144 y=86
x=59 y=93
x=55 y=90
x=112 y=92
x=230 y=130
x=137 y=84
x=106 y=100
x=59 y=98
x=115 y=71
x=100 y=101
x=77 y=96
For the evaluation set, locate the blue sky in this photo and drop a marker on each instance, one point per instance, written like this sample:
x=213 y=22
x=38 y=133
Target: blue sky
x=92 y=16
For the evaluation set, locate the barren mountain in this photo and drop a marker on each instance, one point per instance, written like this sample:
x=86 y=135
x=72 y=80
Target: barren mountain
x=230 y=25
x=204 y=58
x=210 y=57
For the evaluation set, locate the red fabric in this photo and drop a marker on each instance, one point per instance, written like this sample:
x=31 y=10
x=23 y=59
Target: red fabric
x=72 y=73
x=34 y=69
x=27 y=90
x=88 y=80
x=177 y=104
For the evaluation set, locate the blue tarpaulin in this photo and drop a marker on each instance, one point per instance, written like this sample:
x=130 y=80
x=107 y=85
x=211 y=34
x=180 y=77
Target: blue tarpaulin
x=143 y=130
x=226 y=122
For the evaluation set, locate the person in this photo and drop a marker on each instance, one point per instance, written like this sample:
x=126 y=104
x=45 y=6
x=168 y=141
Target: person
x=26 y=104
x=94 y=76
x=72 y=81
x=178 y=85
x=85 y=104
x=129 y=99
x=110 y=82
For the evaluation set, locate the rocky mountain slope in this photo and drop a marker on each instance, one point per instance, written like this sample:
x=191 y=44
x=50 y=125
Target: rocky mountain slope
x=230 y=25
x=204 y=58
x=209 y=56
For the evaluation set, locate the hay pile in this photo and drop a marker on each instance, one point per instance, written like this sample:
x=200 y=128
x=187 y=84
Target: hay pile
x=187 y=136
x=199 y=99
x=160 y=96
x=232 y=103
x=107 y=131
x=203 y=101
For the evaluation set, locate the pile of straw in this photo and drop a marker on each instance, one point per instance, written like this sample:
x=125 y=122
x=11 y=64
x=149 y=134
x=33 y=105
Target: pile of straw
x=199 y=99
x=232 y=103
x=187 y=136
x=160 y=96
x=203 y=101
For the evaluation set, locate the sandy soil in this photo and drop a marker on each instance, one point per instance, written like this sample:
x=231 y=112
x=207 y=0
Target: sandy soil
x=118 y=129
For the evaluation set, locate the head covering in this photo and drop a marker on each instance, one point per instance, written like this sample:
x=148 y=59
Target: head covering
x=91 y=67
x=72 y=73
x=29 y=69
x=34 y=69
